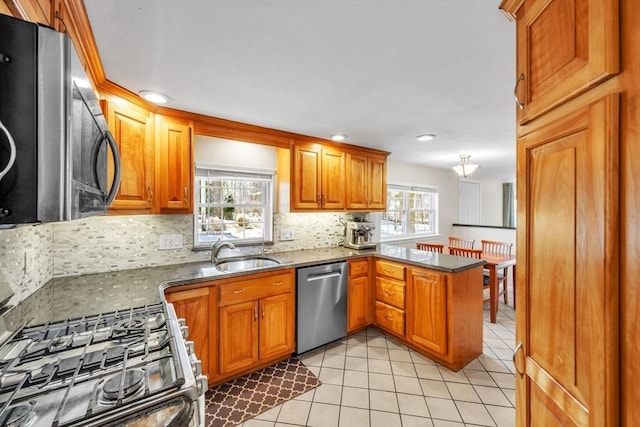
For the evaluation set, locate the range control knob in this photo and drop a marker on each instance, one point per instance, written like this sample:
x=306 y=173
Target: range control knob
x=202 y=384
x=196 y=367
x=184 y=331
x=190 y=347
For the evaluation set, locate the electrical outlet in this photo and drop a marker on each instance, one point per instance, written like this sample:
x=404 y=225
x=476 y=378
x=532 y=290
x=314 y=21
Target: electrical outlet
x=286 y=234
x=171 y=241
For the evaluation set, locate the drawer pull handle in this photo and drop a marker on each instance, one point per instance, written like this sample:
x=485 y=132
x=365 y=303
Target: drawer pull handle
x=239 y=291
x=387 y=292
x=255 y=313
x=388 y=270
x=280 y=283
x=389 y=318
x=515 y=92
x=515 y=355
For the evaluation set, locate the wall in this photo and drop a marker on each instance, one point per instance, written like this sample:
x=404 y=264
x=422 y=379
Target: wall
x=491 y=203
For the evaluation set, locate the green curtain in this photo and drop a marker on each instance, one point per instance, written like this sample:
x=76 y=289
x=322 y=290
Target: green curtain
x=508 y=205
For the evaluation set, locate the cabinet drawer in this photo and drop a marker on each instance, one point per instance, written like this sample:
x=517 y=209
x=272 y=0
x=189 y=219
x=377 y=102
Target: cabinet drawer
x=390 y=291
x=390 y=269
x=252 y=289
x=390 y=318
x=359 y=267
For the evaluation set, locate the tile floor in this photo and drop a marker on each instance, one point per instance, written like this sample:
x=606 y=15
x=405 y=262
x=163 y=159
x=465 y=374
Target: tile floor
x=370 y=379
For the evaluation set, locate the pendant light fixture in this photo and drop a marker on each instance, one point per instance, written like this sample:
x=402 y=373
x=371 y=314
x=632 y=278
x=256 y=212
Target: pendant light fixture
x=465 y=168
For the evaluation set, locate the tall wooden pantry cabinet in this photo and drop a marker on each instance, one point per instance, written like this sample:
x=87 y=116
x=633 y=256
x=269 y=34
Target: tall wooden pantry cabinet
x=577 y=88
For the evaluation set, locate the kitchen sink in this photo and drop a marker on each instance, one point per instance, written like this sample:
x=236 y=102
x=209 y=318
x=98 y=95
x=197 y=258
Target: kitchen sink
x=245 y=263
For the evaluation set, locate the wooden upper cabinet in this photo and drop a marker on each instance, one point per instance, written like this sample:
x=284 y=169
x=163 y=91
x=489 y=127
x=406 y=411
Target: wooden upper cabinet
x=132 y=129
x=174 y=170
x=318 y=178
x=564 y=47
x=366 y=182
x=567 y=317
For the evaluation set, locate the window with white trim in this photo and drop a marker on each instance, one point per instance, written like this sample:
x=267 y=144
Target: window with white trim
x=235 y=205
x=411 y=212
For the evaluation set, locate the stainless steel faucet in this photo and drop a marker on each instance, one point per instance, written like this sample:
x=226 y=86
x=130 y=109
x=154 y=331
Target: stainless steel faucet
x=217 y=247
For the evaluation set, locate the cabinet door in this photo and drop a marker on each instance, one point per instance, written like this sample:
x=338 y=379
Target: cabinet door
x=564 y=48
x=377 y=184
x=306 y=180
x=174 y=171
x=427 y=313
x=357 y=184
x=238 y=336
x=276 y=326
x=333 y=188
x=358 y=303
x=197 y=307
x=567 y=277
x=132 y=129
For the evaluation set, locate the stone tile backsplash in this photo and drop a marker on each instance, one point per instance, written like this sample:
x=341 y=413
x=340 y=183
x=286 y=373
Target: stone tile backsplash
x=113 y=243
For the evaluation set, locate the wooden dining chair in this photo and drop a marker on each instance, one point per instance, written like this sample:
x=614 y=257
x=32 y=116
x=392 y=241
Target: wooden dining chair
x=502 y=248
x=431 y=247
x=459 y=242
x=472 y=253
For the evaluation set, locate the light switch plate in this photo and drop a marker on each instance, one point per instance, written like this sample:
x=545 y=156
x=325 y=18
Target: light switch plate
x=286 y=234
x=170 y=241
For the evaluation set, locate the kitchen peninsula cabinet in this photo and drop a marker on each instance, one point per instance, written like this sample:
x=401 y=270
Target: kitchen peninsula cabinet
x=198 y=306
x=133 y=130
x=366 y=182
x=257 y=320
x=390 y=297
x=317 y=178
x=429 y=299
x=359 y=295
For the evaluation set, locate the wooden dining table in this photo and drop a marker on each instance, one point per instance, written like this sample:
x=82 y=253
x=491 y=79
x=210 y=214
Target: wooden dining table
x=495 y=262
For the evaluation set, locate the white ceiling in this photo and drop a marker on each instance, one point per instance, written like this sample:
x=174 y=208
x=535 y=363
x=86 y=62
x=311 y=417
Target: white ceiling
x=380 y=71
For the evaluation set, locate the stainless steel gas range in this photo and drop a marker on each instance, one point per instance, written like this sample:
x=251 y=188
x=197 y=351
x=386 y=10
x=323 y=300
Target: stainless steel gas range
x=126 y=368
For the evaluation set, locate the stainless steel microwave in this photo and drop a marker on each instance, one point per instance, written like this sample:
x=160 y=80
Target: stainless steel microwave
x=54 y=141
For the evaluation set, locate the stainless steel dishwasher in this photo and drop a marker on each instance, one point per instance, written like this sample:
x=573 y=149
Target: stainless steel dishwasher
x=321 y=306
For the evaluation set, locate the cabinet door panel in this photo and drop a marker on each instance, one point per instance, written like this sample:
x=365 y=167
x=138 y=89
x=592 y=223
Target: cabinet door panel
x=564 y=48
x=333 y=192
x=306 y=178
x=428 y=311
x=377 y=184
x=238 y=336
x=276 y=326
x=567 y=267
x=357 y=191
x=358 y=303
x=174 y=166
x=132 y=130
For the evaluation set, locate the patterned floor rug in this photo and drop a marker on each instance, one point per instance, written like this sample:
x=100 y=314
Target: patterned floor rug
x=236 y=401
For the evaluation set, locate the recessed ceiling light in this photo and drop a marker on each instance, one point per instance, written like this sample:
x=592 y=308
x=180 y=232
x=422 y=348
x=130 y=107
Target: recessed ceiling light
x=338 y=137
x=426 y=137
x=155 y=97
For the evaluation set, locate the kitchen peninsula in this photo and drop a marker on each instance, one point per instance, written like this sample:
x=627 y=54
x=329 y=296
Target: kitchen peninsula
x=439 y=304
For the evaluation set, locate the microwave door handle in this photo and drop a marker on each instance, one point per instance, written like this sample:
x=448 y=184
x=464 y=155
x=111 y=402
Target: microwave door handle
x=117 y=168
x=12 y=154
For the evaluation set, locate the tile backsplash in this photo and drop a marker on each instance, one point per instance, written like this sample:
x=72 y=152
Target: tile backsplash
x=113 y=243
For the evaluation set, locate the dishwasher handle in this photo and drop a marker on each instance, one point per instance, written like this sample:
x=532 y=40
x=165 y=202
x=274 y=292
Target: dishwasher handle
x=323 y=276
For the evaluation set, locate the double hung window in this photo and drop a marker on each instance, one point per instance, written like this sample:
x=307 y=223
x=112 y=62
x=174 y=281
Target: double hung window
x=411 y=212
x=235 y=205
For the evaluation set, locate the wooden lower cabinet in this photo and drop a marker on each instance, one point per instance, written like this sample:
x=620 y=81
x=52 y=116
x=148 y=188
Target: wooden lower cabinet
x=390 y=297
x=428 y=326
x=358 y=296
x=198 y=307
x=257 y=320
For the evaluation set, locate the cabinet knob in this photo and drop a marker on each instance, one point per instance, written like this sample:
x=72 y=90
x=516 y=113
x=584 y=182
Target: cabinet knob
x=515 y=91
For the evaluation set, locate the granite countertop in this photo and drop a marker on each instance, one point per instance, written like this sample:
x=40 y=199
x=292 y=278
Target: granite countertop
x=76 y=296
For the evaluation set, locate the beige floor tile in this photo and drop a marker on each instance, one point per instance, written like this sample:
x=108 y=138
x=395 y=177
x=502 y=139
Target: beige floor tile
x=258 y=423
x=312 y=358
x=503 y=417
x=443 y=409
x=403 y=369
x=377 y=353
x=451 y=376
x=474 y=413
x=294 y=412
x=428 y=371
x=479 y=377
x=511 y=395
x=354 y=417
x=308 y=396
x=355 y=397
x=357 y=350
x=474 y=364
x=323 y=415
x=492 y=396
x=381 y=382
x=315 y=370
x=384 y=419
x=435 y=388
x=270 y=415
x=410 y=404
x=443 y=423
x=392 y=343
x=356 y=363
x=333 y=361
x=356 y=379
x=383 y=400
x=379 y=366
x=504 y=380
x=463 y=392
x=407 y=385
x=331 y=376
x=328 y=393
x=420 y=359
x=336 y=347
x=377 y=341
x=411 y=421
x=357 y=340
x=400 y=355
